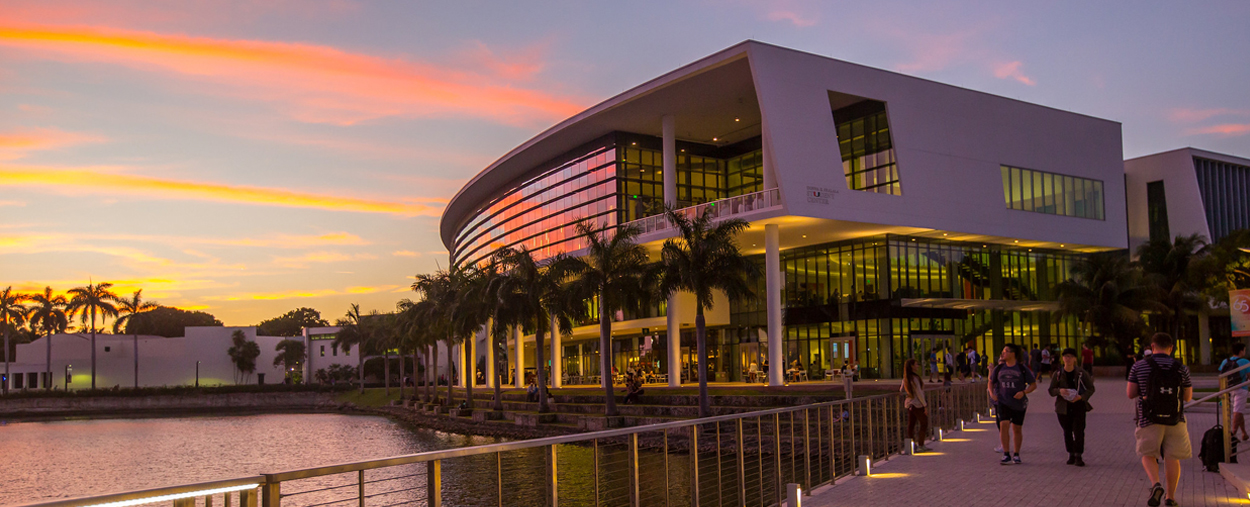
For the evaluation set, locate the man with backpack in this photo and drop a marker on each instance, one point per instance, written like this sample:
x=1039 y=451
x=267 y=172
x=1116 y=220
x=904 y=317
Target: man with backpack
x=1161 y=386
x=1237 y=360
x=1009 y=386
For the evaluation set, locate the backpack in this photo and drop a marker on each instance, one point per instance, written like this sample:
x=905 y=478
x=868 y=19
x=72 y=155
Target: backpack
x=1161 y=403
x=1212 y=451
x=1230 y=364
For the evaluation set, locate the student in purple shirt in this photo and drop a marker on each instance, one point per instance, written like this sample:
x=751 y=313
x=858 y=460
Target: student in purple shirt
x=1009 y=386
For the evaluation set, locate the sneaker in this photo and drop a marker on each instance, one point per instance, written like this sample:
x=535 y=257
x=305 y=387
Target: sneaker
x=1015 y=458
x=1079 y=462
x=1171 y=503
x=1156 y=495
x=1071 y=458
x=924 y=449
x=1007 y=460
x=998 y=448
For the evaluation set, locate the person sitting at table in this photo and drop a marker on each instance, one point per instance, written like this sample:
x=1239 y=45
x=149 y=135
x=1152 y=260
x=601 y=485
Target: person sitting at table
x=633 y=388
x=753 y=371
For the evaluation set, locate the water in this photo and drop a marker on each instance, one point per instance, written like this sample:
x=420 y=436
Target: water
x=51 y=460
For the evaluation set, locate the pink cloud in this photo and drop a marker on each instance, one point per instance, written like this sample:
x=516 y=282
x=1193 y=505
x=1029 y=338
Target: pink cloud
x=1224 y=130
x=1011 y=70
x=16 y=144
x=1189 y=115
x=792 y=17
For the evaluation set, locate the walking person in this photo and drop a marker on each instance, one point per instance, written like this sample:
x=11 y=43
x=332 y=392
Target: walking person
x=1161 y=386
x=974 y=363
x=1087 y=358
x=1046 y=359
x=917 y=407
x=933 y=364
x=1237 y=360
x=1009 y=387
x=961 y=365
x=1072 y=386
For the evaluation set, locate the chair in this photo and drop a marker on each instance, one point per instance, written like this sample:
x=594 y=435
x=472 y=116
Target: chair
x=802 y=375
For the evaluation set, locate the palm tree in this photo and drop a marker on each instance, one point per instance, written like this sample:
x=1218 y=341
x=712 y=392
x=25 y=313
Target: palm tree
x=132 y=307
x=413 y=337
x=1170 y=267
x=483 y=292
x=243 y=353
x=353 y=331
x=705 y=259
x=48 y=316
x=537 y=291
x=93 y=299
x=614 y=273
x=1107 y=294
x=290 y=354
x=12 y=314
x=443 y=302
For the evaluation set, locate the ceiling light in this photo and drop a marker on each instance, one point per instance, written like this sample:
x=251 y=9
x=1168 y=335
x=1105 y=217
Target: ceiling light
x=737 y=119
x=715 y=139
x=1060 y=246
x=804 y=235
x=1016 y=240
x=943 y=233
x=633 y=144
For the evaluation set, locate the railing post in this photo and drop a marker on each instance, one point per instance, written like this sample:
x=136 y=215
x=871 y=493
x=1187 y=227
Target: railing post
x=555 y=491
x=360 y=488
x=434 y=483
x=185 y=502
x=596 y=462
x=807 y=451
x=694 y=464
x=208 y=500
x=247 y=498
x=778 y=485
x=742 y=467
x=666 y=476
x=872 y=441
x=271 y=493
x=1224 y=422
x=635 y=497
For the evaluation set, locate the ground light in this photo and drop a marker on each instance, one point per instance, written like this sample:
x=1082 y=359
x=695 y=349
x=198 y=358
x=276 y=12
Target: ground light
x=179 y=496
x=865 y=465
x=794 y=495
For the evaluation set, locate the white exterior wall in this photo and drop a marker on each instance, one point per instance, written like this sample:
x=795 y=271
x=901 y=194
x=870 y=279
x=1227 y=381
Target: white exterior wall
x=1175 y=168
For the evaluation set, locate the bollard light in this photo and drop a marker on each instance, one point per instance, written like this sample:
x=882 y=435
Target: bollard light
x=941 y=435
x=865 y=465
x=794 y=496
x=961 y=425
x=909 y=445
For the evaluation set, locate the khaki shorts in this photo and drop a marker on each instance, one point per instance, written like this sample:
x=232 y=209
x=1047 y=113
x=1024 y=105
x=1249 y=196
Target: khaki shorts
x=1239 y=401
x=1173 y=441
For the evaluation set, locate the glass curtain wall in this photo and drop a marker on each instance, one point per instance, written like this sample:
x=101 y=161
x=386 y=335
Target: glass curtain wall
x=867 y=152
x=710 y=175
x=1050 y=193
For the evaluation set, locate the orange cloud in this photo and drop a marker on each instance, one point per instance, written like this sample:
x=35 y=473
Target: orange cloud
x=1187 y=115
x=304 y=294
x=90 y=180
x=321 y=257
x=315 y=83
x=1011 y=70
x=16 y=143
x=405 y=253
x=1226 y=130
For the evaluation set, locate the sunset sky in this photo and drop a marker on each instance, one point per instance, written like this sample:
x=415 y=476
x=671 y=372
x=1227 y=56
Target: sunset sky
x=247 y=158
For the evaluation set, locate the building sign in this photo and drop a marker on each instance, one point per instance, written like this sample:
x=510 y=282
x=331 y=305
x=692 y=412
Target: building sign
x=1239 y=310
x=316 y=337
x=820 y=195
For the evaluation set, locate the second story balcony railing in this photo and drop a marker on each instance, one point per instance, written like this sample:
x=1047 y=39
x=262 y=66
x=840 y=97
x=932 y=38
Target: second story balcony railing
x=732 y=206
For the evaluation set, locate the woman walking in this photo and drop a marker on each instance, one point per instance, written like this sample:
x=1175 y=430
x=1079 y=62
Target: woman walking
x=1072 y=386
x=917 y=407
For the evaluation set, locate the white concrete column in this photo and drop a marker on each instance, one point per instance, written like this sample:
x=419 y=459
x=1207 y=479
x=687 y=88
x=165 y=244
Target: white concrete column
x=556 y=367
x=520 y=357
x=581 y=359
x=1204 y=335
x=773 y=281
x=674 y=343
x=462 y=369
x=669 y=129
x=490 y=354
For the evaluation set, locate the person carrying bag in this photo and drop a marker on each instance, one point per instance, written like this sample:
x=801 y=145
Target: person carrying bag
x=1072 y=386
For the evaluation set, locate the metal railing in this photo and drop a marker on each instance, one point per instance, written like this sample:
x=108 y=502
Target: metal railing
x=737 y=459
x=1224 y=406
x=737 y=205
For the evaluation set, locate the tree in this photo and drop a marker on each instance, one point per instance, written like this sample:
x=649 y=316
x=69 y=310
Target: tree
x=47 y=315
x=353 y=331
x=704 y=259
x=1225 y=267
x=90 y=300
x=615 y=274
x=1107 y=294
x=535 y=292
x=12 y=314
x=243 y=354
x=168 y=322
x=130 y=308
x=442 y=303
x=290 y=355
x=291 y=323
x=1168 y=266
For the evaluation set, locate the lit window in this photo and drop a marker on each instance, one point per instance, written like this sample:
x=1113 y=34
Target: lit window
x=1051 y=193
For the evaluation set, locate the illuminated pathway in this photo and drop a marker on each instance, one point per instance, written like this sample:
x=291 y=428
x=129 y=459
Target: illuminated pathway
x=965 y=472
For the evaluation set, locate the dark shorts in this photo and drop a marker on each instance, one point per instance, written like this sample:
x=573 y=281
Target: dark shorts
x=1005 y=413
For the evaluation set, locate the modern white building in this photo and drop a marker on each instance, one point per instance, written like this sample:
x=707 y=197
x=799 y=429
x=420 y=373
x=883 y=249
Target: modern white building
x=200 y=356
x=890 y=213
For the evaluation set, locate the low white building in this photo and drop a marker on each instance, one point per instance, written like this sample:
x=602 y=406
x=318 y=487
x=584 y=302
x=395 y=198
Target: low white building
x=199 y=356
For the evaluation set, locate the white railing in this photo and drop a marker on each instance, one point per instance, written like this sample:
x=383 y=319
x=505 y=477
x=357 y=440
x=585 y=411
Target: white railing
x=737 y=205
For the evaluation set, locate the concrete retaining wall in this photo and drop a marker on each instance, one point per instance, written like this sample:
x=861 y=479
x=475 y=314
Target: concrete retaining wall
x=171 y=404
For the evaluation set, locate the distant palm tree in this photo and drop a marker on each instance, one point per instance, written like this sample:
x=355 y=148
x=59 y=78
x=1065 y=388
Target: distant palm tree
x=1170 y=267
x=353 y=331
x=538 y=291
x=1107 y=294
x=130 y=308
x=243 y=354
x=90 y=300
x=704 y=259
x=12 y=314
x=47 y=316
x=443 y=302
x=615 y=273
x=290 y=354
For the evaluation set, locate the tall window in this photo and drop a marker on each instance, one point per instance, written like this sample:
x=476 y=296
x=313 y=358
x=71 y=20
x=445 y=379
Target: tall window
x=1157 y=211
x=1053 y=194
x=867 y=153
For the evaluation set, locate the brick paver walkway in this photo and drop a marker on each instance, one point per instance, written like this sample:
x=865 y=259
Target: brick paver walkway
x=965 y=472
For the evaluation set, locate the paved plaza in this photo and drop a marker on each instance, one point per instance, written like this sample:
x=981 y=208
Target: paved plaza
x=965 y=472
